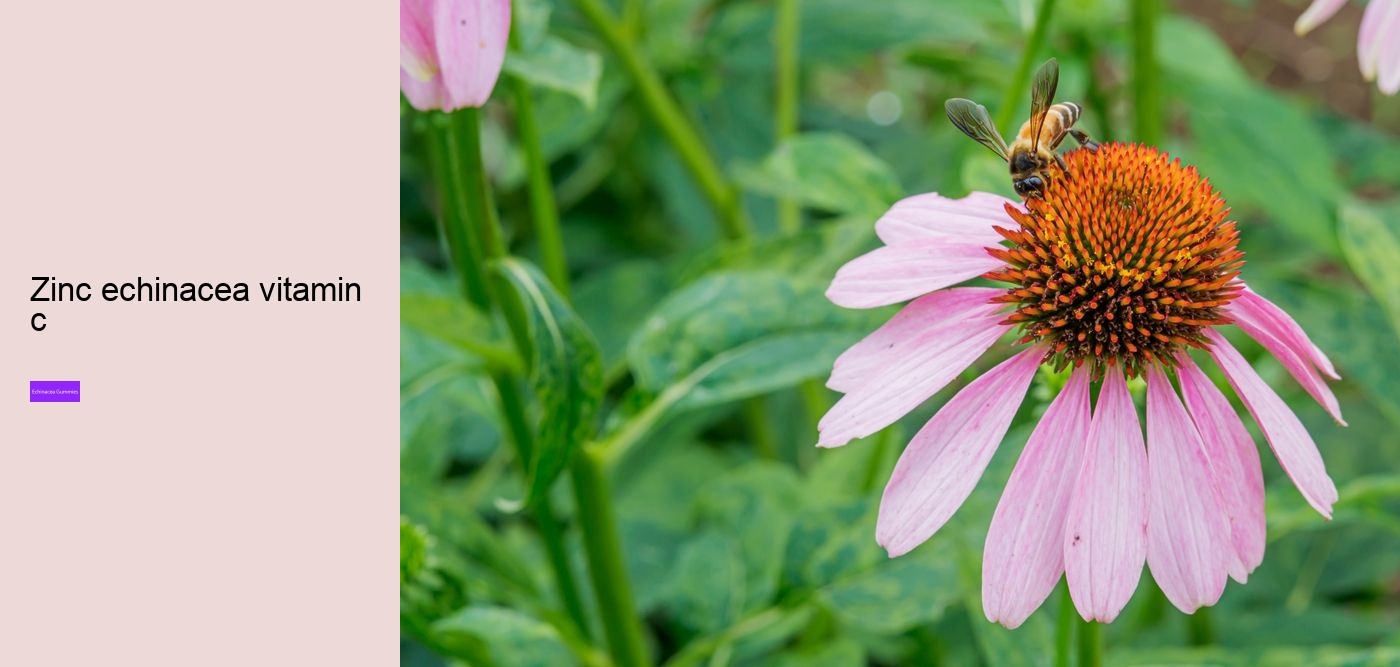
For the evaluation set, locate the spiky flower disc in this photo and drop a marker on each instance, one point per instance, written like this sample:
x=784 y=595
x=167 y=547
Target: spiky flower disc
x=1125 y=260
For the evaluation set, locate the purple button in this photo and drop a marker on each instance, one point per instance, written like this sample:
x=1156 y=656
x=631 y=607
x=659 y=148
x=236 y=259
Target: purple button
x=54 y=391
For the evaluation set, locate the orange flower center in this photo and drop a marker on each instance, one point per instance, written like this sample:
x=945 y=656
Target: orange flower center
x=1124 y=260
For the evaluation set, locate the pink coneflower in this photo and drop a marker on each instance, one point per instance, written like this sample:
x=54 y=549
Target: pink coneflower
x=1119 y=269
x=451 y=51
x=1377 y=42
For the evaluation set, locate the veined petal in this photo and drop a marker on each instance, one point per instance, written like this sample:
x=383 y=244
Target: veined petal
x=417 y=52
x=1263 y=314
x=927 y=365
x=1389 y=65
x=947 y=456
x=933 y=215
x=1235 y=461
x=1292 y=445
x=939 y=315
x=1316 y=13
x=1106 y=531
x=1025 y=551
x=1376 y=27
x=423 y=95
x=1188 y=533
x=471 y=37
x=901 y=272
x=1291 y=356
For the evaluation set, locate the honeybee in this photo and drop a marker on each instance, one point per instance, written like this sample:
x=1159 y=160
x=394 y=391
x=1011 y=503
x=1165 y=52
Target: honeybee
x=1033 y=151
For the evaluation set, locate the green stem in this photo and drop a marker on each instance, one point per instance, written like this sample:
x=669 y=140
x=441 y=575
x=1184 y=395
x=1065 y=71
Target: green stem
x=875 y=463
x=543 y=210
x=1200 y=630
x=667 y=114
x=1090 y=644
x=1020 y=84
x=452 y=221
x=785 y=114
x=606 y=567
x=1064 y=628
x=513 y=408
x=1147 y=112
x=461 y=159
x=760 y=429
x=597 y=522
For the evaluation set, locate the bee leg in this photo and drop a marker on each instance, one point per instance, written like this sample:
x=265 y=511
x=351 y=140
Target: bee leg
x=1060 y=160
x=1083 y=138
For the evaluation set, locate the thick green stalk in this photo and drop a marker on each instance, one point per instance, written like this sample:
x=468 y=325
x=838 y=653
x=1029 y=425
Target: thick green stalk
x=755 y=412
x=513 y=408
x=666 y=113
x=1199 y=628
x=543 y=210
x=597 y=522
x=1012 y=102
x=1064 y=628
x=602 y=543
x=466 y=177
x=1090 y=644
x=452 y=219
x=1147 y=102
x=785 y=114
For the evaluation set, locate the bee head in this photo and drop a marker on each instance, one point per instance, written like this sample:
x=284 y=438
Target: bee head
x=1023 y=162
x=1028 y=187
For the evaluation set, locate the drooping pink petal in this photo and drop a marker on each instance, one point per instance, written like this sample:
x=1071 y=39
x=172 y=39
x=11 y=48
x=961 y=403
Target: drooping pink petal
x=423 y=95
x=1234 y=460
x=1316 y=13
x=1377 y=25
x=1299 y=366
x=947 y=456
x=901 y=272
x=1389 y=65
x=417 y=52
x=941 y=314
x=1189 y=550
x=1292 y=445
x=927 y=364
x=1024 y=554
x=1262 y=314
x=1106 y=530
x=471 y=37
x=933 y=215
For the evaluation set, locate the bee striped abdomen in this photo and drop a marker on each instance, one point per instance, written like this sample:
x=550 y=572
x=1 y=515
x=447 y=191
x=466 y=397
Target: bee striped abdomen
x=1067 y=113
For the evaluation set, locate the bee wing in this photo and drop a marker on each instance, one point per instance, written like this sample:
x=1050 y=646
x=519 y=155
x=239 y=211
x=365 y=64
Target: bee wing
x=1043 y=86
x=972 y=119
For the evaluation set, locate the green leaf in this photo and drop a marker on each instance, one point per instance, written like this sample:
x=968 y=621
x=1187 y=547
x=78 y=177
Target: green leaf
x=725 y=311
x=503 y=637
x=708 y=588
x=1235 y=130
x=566 y=373
x=896 y=595
x=756 y=504
x=829 y=172
x=838 y=652
x=1370 y=239
x=558 y=65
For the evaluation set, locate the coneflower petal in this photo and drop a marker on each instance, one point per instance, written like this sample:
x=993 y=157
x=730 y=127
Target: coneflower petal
x=926 y=367
x=417 y=53
x=1371 y=38
x=1264 y=314
x=933 y=215
x=471 y=37
x=1294 y=448
x=1389 y=65
x=938 y=318
x=1024 y=554
x=947 y=456
x=1188 y=532
x=1235 y=461
x=1317 y=13
x=1292 y=356
x=423 y=95
x=896 y=273
x=1105 y=542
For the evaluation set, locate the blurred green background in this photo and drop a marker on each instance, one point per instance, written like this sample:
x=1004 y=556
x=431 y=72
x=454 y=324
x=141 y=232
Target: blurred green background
x=744 y=544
